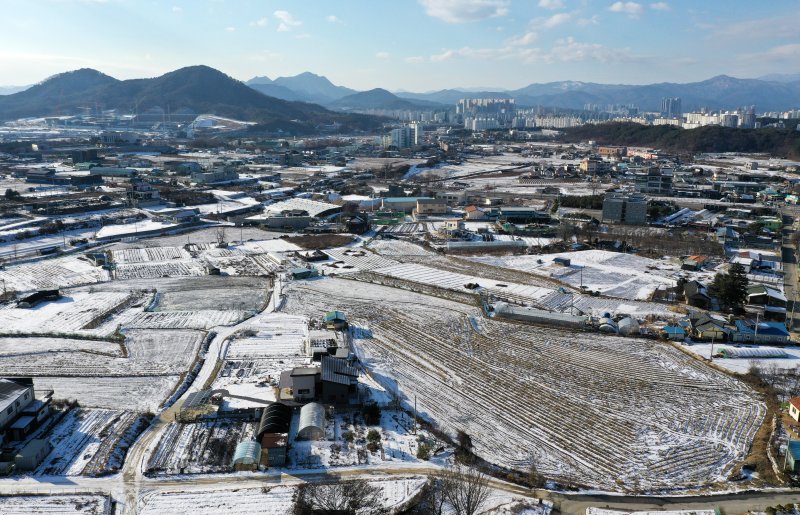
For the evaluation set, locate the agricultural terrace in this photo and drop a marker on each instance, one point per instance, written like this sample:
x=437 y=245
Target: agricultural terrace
x=606 y=412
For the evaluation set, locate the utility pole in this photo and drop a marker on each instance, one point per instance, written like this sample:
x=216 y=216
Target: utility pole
x=755 y=334
x=415 y=413
x=711 y=357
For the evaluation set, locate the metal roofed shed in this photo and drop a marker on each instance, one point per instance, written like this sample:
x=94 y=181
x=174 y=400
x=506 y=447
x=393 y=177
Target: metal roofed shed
x=312 y=422
x=247 y=455
x=335 y=320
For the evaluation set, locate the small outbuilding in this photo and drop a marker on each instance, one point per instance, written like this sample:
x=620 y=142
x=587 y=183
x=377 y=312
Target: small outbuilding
x=312 y=422
x=30 y=456
x=335 y=320
x=792 y=456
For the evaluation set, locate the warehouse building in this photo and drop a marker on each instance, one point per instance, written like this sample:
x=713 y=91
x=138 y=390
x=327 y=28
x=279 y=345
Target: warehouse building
x=15 y=396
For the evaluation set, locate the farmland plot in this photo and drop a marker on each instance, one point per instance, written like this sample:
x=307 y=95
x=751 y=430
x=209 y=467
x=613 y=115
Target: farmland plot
x=604 y=411
x=21 y=347
x=52 y=273
x=77 y=312
x=55 y=504
x=360 y=259
x=133 y=393
x=180 y=268
x=154 y=352
x=199 y=447
x=624 y=276
x=236 y=265
x=148 y=255
x=271 y=335
x=276 y=500
x=84 y=441
x=244 y=294
x=200 y=319
x=172 y=350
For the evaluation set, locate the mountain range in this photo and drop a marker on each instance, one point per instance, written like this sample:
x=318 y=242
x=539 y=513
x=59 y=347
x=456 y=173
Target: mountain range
x=772 y=92
x=302 y=101
x=195 y=89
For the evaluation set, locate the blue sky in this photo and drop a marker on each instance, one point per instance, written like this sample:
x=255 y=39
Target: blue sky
x=415 y=45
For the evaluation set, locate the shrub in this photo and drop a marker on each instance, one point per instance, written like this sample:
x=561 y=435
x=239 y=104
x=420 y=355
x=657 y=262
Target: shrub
x=373 y=436
x=372 y=414
x=373 y=447
x=348 y=436
x=424 y=452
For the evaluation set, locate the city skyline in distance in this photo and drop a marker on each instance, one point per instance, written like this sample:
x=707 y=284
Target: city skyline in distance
x=410 y=46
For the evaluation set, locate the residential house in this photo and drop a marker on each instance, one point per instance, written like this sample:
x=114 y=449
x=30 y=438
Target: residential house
x=704 y=327
x=674 y=332
x=696 y=294
x=771 y=301
x=474 y=213
x=748 y=331
x=794 y=408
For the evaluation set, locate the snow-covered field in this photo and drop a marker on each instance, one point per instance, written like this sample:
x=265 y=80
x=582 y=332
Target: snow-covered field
x=74 y=313
x=624 y=276
x=270 y=500
x=272 y=335
x=133 y=393
x=55 y=504
x=52 y=273
x=605 y=411
x=86 y=442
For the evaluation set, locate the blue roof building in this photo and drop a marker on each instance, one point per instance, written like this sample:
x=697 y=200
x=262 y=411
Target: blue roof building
x=674 y=332
x=792 y=455
x=765 y=332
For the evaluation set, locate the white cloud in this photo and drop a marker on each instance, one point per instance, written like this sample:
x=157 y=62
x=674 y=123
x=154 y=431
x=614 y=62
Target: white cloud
x=585 y=22
x=382 y=55
x=287 y=21
x=630 y=8
x=551 y=4
x=177 y=9
x=785 y=53
x=460 y=11
x=304 y=35
x=230 y=29
x=261 y=22
x=333 y=19
x=414 y=59
x=761 y=28
x=660 y=6
x=523 y=40
x=552 y=21
x=564 y=50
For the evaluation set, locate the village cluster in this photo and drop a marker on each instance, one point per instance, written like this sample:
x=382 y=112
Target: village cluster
x=562 y=316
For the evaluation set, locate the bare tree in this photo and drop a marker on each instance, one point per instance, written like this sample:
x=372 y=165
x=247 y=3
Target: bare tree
x=466 y=490
x=339 y=497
